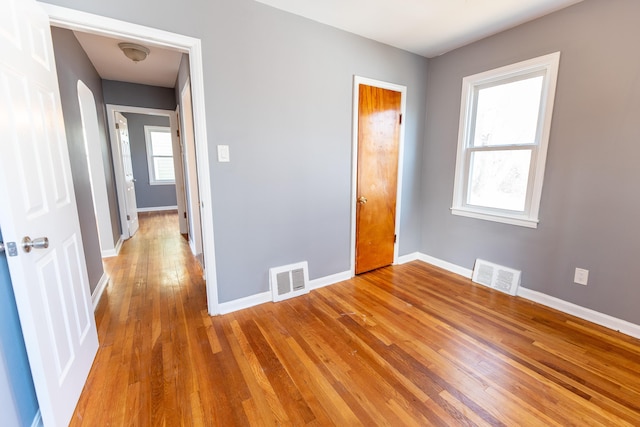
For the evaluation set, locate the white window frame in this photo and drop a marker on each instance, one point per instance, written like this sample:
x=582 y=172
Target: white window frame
x=546 y=66
x=151 y=165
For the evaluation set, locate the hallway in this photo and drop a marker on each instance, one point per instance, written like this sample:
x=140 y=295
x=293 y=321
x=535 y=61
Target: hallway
x=142 y=373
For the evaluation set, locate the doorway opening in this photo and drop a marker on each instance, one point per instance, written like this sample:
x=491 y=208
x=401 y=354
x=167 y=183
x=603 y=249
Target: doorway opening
x=377 y=152
x=101 y=26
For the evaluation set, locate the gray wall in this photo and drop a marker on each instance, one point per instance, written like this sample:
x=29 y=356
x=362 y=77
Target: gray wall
x=136 y=95
x=17 y=394
x=589 y=204
x=147 y=195
x=278 y=91
x=72 y=65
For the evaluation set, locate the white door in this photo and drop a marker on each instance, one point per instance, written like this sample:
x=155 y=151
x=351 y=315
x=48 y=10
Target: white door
x=37 y=200
x=122 y=130
x=179 y=169
x=191 y=173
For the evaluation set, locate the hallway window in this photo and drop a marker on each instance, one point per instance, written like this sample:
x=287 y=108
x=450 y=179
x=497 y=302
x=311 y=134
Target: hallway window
x=505 y=120
x=159 y=155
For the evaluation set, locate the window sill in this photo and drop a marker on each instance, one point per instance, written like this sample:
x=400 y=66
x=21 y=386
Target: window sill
x=162 y=183
x=512 y=220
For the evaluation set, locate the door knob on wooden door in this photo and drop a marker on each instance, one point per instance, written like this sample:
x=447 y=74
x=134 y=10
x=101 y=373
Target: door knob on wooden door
x=362 y=200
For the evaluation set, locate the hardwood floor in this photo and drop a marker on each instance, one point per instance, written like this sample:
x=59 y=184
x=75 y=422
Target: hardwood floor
x=403 y=345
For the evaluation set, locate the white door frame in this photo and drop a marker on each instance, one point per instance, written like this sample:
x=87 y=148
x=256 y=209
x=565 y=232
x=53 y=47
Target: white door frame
x=100 y=25
x=357 y=81
x=190 y=160
x=116 y=149
x=97 y=174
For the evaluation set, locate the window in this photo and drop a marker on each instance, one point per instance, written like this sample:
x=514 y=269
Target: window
x=159 y=155
x=505 y=119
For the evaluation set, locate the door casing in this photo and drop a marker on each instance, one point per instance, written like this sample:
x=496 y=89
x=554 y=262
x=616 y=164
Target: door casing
x=95 y=24
x=357 y=81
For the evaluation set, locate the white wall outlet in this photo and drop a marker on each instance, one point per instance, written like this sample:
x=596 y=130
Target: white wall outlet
x=581 y=276
x=223 y=153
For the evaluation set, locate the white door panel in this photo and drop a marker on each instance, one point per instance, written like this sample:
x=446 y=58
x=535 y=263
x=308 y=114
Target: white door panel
x=50 y=284
x=122 y=129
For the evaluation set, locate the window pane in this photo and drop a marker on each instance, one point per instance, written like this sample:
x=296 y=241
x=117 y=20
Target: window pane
x=508 y=113
x=498 y=179
x=163 y=168
x=161 y=144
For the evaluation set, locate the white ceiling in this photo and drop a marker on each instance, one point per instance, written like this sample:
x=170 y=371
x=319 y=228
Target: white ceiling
x=159 y=69
x=426 y=27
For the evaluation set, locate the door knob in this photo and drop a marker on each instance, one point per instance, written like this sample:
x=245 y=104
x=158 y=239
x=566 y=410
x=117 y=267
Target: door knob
x=39 y=243
x=362 y=200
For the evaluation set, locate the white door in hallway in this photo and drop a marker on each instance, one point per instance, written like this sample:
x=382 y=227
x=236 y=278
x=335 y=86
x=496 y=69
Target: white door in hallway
x=37 y=200
x=122 y=130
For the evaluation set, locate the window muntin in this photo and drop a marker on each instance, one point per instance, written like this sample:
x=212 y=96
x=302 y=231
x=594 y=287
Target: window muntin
x=159 y=155
x=504 y=130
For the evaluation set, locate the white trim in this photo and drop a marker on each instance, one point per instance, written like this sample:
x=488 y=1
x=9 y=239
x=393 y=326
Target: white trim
x=97 y=292
x=584 y=313
x=101 y=25
x=246 y=302
x=115 y=251
x=523 y=222
x=261 y=298
x=158 y=209
x=408 y=258
x=37 y=420
x=546 y=66
x=321 y=282
x=357 y=81
x=464 y=272
x=95 y=164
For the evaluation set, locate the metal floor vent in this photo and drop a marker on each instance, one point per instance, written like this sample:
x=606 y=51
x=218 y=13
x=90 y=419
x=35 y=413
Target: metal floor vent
x=497 y=277
x=289 y=281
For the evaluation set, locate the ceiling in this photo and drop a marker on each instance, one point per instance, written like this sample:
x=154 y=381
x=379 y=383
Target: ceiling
x=426 y=27
x=159 y=69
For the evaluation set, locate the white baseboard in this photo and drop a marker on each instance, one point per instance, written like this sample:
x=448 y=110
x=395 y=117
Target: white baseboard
x=253 y=300
x=465 y=272
x=408 y=258
x=588 y=314
x=593 y=316
x=97 y=292
x=321 y=282
x=113 y=252
x=242 y=303
x=158 y=208
x=37 y=420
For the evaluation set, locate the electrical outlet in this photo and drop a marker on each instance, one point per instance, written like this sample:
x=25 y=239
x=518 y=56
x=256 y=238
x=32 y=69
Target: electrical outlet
x=581 y=276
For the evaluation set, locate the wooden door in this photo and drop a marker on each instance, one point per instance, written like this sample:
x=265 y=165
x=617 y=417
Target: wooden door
x=379 y=121
x=50 y=282
x=131 y=208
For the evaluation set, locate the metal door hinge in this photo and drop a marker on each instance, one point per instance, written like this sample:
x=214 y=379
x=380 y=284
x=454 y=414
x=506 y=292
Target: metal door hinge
x=128 y=217
x=185 y=214
x=178 y=132
x=117 y=125
x=400 y=118
x=395 y=238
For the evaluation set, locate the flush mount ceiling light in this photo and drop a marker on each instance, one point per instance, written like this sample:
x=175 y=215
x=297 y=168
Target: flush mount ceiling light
x=134 y=52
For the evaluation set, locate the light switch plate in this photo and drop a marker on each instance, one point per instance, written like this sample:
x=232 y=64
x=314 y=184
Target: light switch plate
x=581 y=277
x=223 y=153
